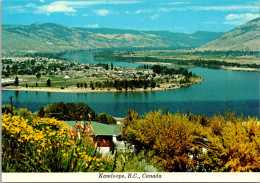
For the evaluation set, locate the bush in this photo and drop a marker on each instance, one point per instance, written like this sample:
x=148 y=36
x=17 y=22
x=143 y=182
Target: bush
x=68 y=111
x=73 y=112
x=233 y=145
x=23 y=112
x=106 y=119
x=133 y=162
x=111 y=120
x=41 y=112
x=170 y=137
x=195 y=143
x=48 y=145
x=6 y=109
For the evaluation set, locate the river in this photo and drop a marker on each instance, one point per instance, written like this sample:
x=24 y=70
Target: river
x=221 y=90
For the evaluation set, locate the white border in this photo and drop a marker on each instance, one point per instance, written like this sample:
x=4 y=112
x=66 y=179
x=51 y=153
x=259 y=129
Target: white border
x=166 y=177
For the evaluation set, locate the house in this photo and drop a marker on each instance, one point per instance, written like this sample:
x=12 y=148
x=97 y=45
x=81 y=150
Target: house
x=106 y=136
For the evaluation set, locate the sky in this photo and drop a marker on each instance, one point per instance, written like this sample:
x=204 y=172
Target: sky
x=172 y=15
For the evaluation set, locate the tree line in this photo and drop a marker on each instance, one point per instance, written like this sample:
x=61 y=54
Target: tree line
x=73 y=112
x=63 y=111
x=121 y=84
x=195 y=62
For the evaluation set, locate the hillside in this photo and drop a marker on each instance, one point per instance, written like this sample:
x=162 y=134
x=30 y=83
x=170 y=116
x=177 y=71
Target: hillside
x=244 y=37
x=49 y=37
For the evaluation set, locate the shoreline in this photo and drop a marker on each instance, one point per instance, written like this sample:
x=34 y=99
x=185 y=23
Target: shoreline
x=89 y=90
x=222 y=67
x=240 y=69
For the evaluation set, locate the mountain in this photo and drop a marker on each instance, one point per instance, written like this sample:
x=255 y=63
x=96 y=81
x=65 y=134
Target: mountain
x=50 y=37
x=244 y=37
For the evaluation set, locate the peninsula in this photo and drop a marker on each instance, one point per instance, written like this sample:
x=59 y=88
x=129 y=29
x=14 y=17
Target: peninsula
x=29 y=73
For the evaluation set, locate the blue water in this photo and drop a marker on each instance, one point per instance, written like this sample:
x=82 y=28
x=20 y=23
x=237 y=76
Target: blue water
x=221 y=90
x=84 y=57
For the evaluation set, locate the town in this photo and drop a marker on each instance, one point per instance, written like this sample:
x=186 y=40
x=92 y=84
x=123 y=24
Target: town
x=36 y=71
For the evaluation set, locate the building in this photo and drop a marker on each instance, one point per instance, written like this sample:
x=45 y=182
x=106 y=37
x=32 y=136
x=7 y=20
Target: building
x=107 y=137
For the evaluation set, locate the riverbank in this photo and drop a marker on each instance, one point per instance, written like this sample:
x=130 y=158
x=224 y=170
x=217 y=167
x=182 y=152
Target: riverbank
x=168 y=86
x=223 y=67
x=241 y=69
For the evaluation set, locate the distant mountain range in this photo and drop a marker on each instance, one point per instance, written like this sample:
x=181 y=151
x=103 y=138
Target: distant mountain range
x=244 y=37
x=49 y=37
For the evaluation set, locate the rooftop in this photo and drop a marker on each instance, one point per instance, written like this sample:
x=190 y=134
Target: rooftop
x=100 y=128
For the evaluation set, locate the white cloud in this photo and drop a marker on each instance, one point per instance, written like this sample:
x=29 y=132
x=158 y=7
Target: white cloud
x=250 y=8
x=177 y=3
x=16 y=9
x=81 y=4
x=209 y=22
x=85 y=15
x=123 y=2
x=70 y=14
x=155 y=17
x=144 y=11
x=227 y=8
x=238 y=19
x=102 y=12
x=93 y=26
x=55 y=8
x=180 y=28
x=127 y=12
x=170 y=9
x=30 y=5
x=72 y=6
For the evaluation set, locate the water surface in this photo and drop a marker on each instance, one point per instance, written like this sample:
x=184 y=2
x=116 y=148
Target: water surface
x=220 y=90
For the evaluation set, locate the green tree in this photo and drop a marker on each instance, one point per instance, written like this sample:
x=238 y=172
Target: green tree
x=153 y=83
x=48 y=82
x=102 y=118
x=111 y=120
x=16 y=81
x=106 y=119
x=69 y=111
x=38 y=75
x=92 y=85
x=41 y=112
x=85 y=85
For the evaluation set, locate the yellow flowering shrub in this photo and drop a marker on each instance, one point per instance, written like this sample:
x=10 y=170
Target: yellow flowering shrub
x=234 y=146
x=44 y=144
x=181 y=142
x=170 y=137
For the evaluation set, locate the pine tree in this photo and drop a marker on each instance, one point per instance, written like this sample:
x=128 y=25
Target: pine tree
x=16 y=81
x=49 y=82
x=85 y=85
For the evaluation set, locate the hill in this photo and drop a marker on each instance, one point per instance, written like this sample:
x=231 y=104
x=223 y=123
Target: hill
x=244 y=37
x=49 y=37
